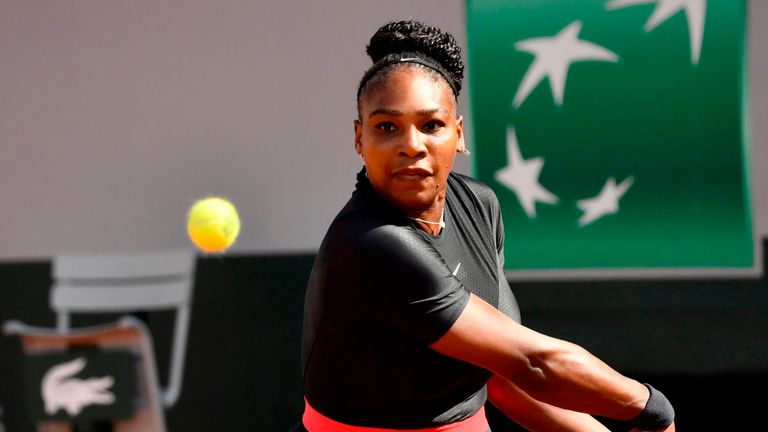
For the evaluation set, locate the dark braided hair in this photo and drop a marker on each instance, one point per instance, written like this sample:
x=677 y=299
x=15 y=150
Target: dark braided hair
x=436 y=51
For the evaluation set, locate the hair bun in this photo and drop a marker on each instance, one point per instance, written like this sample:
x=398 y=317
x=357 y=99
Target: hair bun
x=416 y=37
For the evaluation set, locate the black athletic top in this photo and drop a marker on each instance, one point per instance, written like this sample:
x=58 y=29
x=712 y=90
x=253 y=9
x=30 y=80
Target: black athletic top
x=382 y=290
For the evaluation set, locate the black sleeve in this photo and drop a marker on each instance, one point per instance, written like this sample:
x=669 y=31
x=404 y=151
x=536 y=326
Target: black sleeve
x=413 y=287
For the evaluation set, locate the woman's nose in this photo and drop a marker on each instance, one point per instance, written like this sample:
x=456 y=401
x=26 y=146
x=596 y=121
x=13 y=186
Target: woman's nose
x=413 y=144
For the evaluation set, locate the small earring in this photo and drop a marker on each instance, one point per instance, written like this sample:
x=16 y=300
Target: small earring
x=466 y=151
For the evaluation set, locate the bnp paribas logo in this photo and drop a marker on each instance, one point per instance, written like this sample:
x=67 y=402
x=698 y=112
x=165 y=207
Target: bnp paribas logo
x=613 y=131
x=553 y=57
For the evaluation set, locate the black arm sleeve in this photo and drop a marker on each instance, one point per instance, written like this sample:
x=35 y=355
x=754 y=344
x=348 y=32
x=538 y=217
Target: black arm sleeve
x=420 y=295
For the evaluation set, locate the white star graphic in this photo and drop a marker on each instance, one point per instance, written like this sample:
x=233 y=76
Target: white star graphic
x=605 y=203
x=553 y=57
x=522 y=177
x=695 y=11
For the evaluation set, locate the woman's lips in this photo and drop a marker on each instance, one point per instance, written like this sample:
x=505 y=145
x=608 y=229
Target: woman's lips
x=411 y=173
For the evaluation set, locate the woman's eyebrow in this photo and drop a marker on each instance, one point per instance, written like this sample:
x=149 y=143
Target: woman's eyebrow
x=385 y=111
x=394 y=112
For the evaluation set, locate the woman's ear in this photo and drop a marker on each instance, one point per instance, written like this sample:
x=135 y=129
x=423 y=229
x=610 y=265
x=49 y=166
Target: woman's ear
x=461 y=146
x=358 y=135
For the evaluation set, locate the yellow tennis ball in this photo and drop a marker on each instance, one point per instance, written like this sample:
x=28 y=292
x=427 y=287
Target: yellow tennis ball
x=213 y=224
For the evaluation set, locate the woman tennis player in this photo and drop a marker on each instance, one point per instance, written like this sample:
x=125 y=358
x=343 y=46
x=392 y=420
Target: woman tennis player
x=410 y=324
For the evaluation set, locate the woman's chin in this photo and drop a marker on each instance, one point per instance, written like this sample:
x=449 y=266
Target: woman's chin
x=416 y=201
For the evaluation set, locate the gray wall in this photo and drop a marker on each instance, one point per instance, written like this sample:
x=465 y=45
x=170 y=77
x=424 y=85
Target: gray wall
x=115 y=116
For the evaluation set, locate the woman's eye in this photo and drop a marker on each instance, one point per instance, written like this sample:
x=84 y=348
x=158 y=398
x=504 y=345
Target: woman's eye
x=433 y=125
x=385 y=126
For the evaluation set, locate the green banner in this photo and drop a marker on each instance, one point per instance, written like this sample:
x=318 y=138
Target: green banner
x=613 y=131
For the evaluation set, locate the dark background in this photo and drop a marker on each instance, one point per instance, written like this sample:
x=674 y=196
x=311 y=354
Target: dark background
x=704 y=343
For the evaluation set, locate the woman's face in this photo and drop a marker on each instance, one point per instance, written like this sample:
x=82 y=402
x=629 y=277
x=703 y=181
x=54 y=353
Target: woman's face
x=408 y=135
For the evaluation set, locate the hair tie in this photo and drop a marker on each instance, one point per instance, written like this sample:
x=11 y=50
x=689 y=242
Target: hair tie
x=432 y=65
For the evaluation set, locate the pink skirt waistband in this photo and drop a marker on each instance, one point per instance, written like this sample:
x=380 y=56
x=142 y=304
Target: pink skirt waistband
x=316 y=422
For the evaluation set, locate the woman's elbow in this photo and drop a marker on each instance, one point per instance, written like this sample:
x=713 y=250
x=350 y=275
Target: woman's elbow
x=548 y=370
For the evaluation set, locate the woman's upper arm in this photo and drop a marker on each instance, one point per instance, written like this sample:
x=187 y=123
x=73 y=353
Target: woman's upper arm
x=485 y=337
x=550 y=370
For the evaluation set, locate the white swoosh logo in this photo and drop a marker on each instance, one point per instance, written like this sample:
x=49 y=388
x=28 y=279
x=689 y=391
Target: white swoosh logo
x=456 y=271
